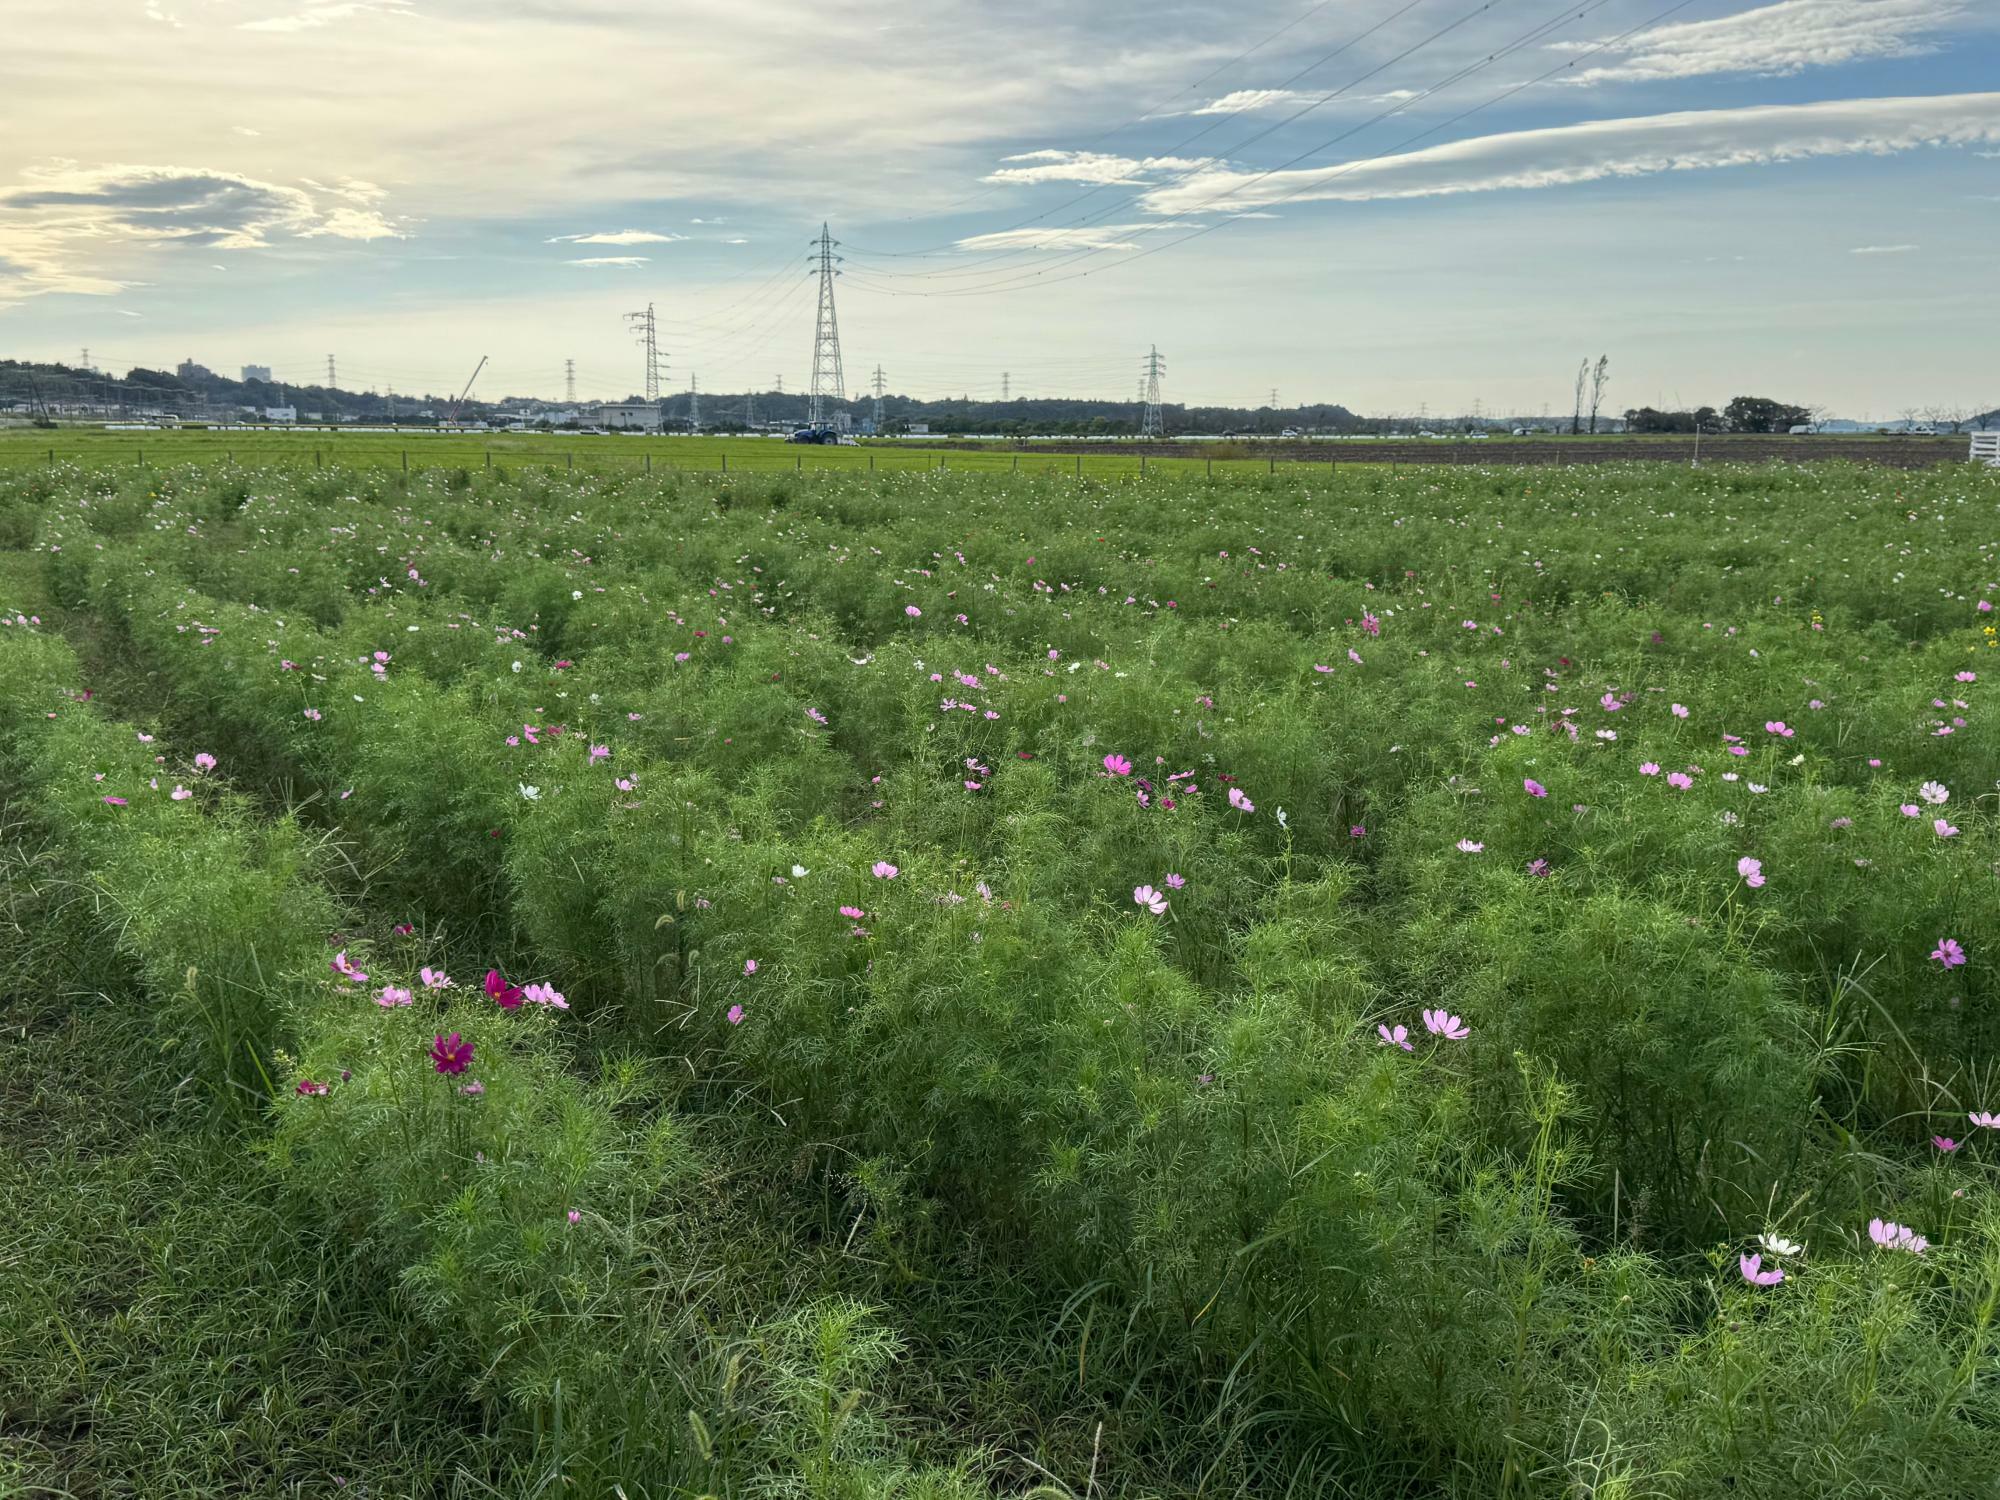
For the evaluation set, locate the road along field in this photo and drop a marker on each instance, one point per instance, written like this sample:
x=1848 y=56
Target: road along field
x=420 y=448
x=1452 y=983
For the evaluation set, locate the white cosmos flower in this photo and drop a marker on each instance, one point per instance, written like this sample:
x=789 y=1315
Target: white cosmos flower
x=1934 y=792
x=532 y=793
x=1776 y=1244
x=799 y=872
x=517 y=666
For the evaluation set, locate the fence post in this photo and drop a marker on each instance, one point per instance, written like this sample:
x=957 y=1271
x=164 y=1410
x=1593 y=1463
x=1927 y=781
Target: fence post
x=52 y=457
x=871 y=463
x=1211 y=468
x=569 y=463
x=406 y=460
x=1017 y=463
x=1079 y=466
x=799 y=464
x=725 y=463
x=142 y=456
x=489 y=459
x=317 y=464
x=1274 y=465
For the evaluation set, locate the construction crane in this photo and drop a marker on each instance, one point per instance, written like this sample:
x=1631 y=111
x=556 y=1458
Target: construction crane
x=452 y=414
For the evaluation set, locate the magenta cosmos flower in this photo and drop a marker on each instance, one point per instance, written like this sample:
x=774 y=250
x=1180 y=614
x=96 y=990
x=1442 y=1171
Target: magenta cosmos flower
x=1751 y=1267
x=1948 y=953
x=308 y=1089
x=506 y=996
x=1117 y=765
x=451 y=1054
x=1533 y=787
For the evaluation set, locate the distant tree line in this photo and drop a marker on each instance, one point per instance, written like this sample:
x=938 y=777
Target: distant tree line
x=1743 y=414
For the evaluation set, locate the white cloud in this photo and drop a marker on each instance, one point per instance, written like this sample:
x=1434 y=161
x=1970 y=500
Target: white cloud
x=1089 y=167
x=623 y=262
x=1597 y=149
x=65 y=222
x=1243 y=101
x=1883 y=249
x=618 y=237
x=1787 y=37
x=1096 y=237
x=314 y=14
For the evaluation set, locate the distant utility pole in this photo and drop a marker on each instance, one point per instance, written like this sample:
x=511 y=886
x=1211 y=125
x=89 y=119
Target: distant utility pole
x=331 y=382
x=1274 y=398
x=781 y=385
x=694 y=402
x=828 y=384
x=86 y=359
x=1006 y=379
x=646 y=335
x=1151 y=425
x=569 y=381
x=878 y=398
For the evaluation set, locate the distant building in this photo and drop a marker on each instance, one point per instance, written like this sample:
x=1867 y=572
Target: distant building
x=257 y=372
x=919 y=429
x=637 y=417
x=281 y=414
x=187 y=369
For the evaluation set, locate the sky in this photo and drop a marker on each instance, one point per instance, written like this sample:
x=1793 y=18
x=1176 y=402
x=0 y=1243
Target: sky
x=1397 y=205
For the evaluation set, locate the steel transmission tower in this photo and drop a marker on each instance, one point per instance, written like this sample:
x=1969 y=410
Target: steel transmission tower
x=1006 y=385
x=878 y=397
x=694 y=402
x=330 y=381
x=828 y=384
x=569 y=381
x=1151 y=426
x=647 y=337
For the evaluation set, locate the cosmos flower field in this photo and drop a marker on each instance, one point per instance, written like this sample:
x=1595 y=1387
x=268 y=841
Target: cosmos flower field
x=1459 y=982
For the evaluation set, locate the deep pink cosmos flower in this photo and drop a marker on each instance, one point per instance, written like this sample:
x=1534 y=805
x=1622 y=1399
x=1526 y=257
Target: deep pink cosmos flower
x=1358 y=831
x=735 y=1015
x=506 y=996
x=308 y=1088
x=1117 y=765
x=451 y=1054
x=749 y=967
x=1948 y=953
x=1751 y=1268
x=1533 y=787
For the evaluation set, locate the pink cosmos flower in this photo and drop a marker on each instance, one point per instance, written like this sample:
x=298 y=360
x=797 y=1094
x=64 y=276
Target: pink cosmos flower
x=307 y=1088
x=1149 y=898
x=1948 y=953
x=392 y=996
x=545 y=994
x=434 y=979
x=1649 y=768
x=313 y=714
x=1175 y=882
x=749 y=967
x=204 y=762
x=1400 y=1037
x=1467 y=846
x=1358 y=831
x=853 y=913
x=503 y=994
x=1680 y=710
x=180 y=793
x=113 y=801
x=1910 y=810
x=1442 y=1023
x=451 y=1054
x=1538 y=868
x=1985 y=1119
x=912 y=611
x=883 y=870
x=1935 y=793
x=1533 y=787
x=1679 y=780
x=1240 y=802
x=1945 y=1143
x=1943 y=829
x=1778 y=727
x=1370 y=624
x=473 y=1089
x=1117 y=765
x=341 y=966
x=1893 y=1236
x=599 y=752
x=1750 y=1267
x=735 y=1015
x=1752 y=871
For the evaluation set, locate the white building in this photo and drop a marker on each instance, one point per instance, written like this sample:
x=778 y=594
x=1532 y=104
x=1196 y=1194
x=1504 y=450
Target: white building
x=636 y=417
x=281 y=414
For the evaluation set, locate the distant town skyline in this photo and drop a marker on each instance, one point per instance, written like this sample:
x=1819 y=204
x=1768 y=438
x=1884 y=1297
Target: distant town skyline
x=1388 y=205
